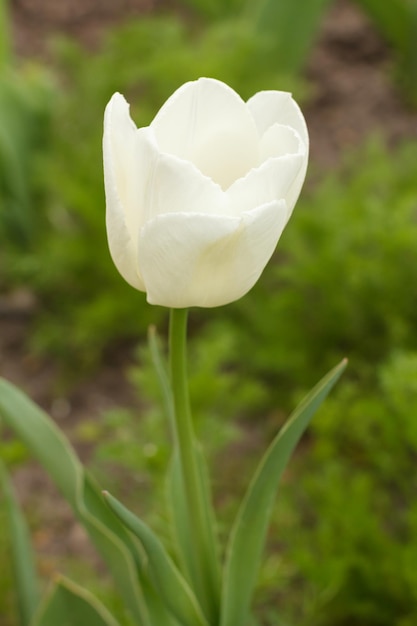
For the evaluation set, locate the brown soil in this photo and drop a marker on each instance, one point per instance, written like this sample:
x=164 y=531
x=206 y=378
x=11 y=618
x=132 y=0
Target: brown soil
x=34 y=21
x=351 y=72
x=352 y=95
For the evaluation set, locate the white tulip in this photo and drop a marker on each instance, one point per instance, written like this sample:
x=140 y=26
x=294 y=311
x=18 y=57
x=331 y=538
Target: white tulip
x=197 y=201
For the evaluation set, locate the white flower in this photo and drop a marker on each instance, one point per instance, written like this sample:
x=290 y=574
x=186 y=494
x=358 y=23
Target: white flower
x=197 y=201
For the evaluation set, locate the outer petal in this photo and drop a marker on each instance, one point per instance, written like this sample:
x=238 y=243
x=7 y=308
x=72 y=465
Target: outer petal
x=173 y=185
x=118 y=150
x=207 y=123
x=278 y=107
x=203 y=260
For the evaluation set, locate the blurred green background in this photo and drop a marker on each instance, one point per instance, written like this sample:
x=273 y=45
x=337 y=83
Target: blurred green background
x=343 y=282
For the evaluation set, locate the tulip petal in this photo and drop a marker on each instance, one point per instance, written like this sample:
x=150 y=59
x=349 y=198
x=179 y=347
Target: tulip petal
x=273 y=180
x=196 y=202
x=118 y=149
x=173 y=185
x=277 y=107
x=206 y=122
x=205 y=260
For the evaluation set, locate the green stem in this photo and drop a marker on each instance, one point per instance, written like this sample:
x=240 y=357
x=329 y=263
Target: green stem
x=204 y=566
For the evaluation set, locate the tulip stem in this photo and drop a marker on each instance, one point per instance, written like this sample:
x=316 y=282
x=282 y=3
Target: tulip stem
x=204 y=568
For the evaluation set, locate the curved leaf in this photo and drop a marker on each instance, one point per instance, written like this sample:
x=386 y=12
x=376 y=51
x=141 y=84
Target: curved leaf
x=166 y=578
x=70 y=605
x=25 y=575
x=247 y=538
x=121 y=554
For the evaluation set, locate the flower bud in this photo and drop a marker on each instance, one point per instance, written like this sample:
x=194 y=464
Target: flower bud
x=197 y=201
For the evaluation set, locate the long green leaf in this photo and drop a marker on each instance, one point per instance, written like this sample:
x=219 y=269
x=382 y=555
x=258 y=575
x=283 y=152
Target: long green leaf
x=70 y=605
x=247 y=538
x=174 y=484
x=27 y=586
x=288 y=26
x=177 y=507
x=54 y=452
x=165 y=576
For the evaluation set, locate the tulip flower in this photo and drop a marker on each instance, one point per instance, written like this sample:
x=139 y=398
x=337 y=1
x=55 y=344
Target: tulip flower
x=197 y=201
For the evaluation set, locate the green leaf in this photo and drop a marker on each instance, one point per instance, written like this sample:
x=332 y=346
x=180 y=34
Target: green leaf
x=397 y=22
x=52 y=449
x=177 y=507
x=163 y=573
x=70 y=605
x=182 y=532
x=248 y=534
x=289 y=27
x=26 y=578
x=392 y=18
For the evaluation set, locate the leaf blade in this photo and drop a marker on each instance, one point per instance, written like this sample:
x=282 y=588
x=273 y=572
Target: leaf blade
x=27 y=586
x=167 y=579
x=55 y=453
x=248 y=534
x=67 y=604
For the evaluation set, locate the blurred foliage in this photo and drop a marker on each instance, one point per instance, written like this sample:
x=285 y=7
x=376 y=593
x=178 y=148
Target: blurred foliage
x=7 y=609
x=344 y=279
x=284 y=28
x=289 y=27
x=349 y=525
x=25 y=98
x=396 y=20
x=24 y=112
x=216 y=394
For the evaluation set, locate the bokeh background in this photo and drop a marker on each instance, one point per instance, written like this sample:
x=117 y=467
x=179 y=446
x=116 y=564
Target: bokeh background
x=343 y=282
